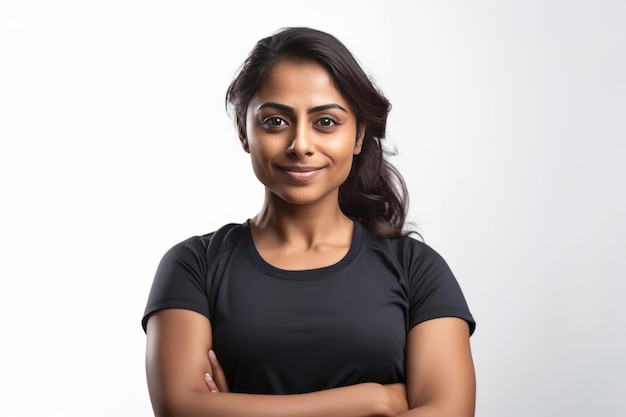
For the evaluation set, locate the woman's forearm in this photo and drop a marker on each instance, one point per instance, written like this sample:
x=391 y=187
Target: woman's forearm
x=362 y=400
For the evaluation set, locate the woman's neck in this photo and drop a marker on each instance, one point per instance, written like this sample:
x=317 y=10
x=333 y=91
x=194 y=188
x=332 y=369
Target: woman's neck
x=305 y=226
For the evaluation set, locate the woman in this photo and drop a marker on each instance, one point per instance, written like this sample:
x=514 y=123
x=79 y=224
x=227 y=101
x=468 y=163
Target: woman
x=320 y=305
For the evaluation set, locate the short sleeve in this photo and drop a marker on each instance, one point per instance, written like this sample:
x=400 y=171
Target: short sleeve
x=434 y=292
x=180 y=281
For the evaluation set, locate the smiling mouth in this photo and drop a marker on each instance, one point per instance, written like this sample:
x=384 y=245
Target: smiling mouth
x=301 y=173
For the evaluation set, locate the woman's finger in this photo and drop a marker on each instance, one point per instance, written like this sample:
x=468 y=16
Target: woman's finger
x=210 y=383
x=218 y=373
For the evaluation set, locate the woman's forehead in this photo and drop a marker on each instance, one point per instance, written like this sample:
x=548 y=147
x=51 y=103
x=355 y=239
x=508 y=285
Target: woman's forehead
x=293 y=82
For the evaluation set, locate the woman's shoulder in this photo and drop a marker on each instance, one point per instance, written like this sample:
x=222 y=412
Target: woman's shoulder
x=227 y=236
x=409 y=254
x=409 y=246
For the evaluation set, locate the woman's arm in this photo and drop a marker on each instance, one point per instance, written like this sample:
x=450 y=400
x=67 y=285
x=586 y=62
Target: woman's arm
x=176 y=361
x=440 y=370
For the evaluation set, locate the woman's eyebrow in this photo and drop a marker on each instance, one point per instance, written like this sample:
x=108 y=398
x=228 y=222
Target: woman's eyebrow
x=326 y=107
x=291 y=110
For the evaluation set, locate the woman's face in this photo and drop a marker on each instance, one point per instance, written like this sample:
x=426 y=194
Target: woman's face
x=301 y=134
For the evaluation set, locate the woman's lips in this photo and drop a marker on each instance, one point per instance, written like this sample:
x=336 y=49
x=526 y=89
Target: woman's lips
x=301 y=173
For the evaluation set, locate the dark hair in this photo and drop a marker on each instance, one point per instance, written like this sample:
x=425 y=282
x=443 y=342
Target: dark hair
x=374 y=192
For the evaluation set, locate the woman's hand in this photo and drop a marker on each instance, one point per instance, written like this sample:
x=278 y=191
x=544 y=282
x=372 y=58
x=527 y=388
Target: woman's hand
x=215 y=380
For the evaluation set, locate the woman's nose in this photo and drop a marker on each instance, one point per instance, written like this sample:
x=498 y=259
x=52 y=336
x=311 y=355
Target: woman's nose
x=302 y=142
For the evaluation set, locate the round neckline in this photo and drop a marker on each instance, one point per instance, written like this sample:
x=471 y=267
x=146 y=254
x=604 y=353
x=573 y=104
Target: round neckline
x=257 y=260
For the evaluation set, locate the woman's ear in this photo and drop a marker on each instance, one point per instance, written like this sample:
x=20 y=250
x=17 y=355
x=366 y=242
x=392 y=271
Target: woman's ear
x=241 y=130
x=360 y=137
x=244 y=144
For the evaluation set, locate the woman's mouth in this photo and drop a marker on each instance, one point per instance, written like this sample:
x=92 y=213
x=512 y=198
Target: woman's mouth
x=301 y=173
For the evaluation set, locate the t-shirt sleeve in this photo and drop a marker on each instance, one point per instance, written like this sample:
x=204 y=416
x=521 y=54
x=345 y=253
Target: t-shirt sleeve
x=180 y=281
x=434 y=292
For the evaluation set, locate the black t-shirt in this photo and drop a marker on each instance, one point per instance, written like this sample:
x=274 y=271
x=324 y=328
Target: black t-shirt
x=284 y=332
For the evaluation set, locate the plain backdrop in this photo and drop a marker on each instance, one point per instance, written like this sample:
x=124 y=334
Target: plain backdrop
x=509 y=122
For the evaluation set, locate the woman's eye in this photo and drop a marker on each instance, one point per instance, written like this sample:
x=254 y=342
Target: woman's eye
x=326 y=122
x=273 y=121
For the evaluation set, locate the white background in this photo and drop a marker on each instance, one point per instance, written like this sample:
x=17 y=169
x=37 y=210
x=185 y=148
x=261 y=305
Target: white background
x=509 y=119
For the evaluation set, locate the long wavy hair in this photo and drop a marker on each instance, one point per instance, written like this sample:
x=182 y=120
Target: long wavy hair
x=374 y=192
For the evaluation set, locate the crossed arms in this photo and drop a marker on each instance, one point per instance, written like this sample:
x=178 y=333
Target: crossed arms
x=439 y=369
